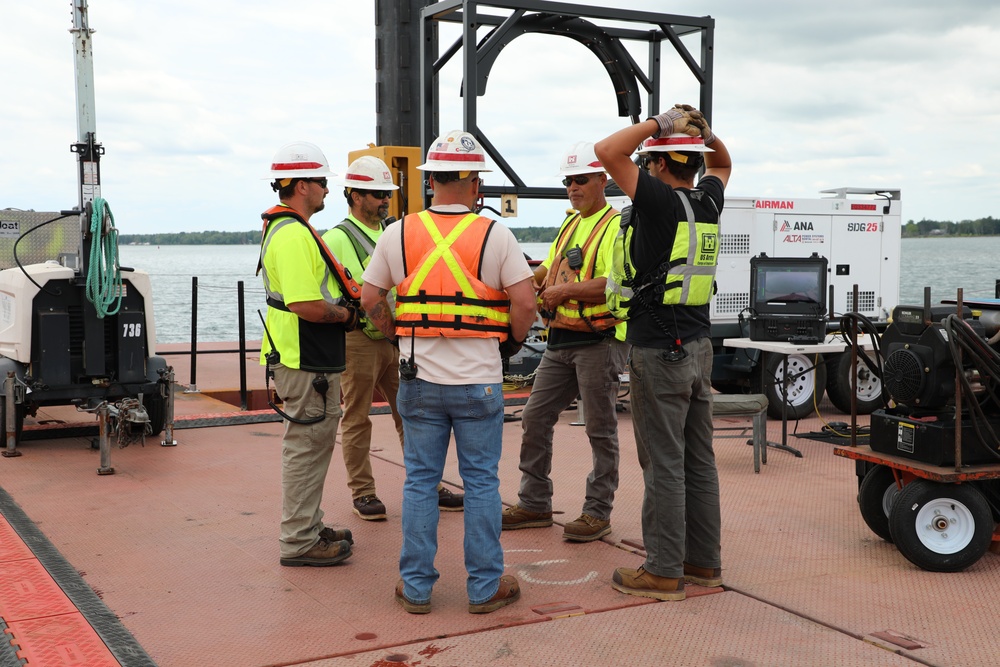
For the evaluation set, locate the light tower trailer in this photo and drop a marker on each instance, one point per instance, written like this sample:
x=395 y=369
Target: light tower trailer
x=73 y=330
x=858 y=231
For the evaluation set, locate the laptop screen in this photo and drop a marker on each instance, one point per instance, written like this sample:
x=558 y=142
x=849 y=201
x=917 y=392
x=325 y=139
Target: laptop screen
x=788 y=286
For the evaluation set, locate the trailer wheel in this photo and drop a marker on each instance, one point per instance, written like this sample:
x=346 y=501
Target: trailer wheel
x=876 y=496
x=808 y=381
x=941 y=527
x=156 y=408
x=838 y=385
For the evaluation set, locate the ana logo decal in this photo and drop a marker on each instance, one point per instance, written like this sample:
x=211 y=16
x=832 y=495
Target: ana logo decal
x=796 y=226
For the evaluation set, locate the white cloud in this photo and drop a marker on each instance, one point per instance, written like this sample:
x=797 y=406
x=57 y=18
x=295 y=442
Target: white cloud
x=192 y=99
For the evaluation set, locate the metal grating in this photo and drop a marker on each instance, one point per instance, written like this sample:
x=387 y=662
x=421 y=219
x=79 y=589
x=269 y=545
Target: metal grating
x=866 y=301
x=734 y=244
x=730 y=303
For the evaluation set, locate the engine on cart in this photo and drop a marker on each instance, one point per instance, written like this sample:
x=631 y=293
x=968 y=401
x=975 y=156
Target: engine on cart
x=922 y=350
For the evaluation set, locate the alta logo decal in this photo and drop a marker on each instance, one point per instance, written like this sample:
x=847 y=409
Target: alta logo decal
x=774 y=203
x=796 y=227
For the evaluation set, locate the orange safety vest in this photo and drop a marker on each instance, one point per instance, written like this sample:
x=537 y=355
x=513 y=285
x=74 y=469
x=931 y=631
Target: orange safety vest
x=443 y=294
x=570 y=315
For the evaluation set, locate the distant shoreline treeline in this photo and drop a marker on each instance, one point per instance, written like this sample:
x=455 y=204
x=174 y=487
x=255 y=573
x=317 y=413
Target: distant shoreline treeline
x=930 y=228
x=522 y=234
x=981 y=227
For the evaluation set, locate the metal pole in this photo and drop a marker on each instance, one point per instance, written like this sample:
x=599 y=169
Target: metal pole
x=581 y=418
x=10 y=416
x=194 y=334
x=168 y=427
x=104 y=444
x=243 y=347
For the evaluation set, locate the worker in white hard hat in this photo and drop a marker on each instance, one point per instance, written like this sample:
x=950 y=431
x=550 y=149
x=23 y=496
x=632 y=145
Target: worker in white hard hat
x=584 y=356
x=372 y=361
x=308 y=315
x=668 y=256
x=464 y=298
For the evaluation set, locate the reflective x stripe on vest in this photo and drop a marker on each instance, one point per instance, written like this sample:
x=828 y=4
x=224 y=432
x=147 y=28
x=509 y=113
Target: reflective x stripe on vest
x=442 y=296
x=570 y=315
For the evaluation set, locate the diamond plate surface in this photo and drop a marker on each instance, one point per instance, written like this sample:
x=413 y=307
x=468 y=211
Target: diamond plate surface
x=38 y=245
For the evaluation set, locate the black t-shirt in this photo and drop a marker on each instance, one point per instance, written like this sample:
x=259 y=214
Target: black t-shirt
x=658 y=210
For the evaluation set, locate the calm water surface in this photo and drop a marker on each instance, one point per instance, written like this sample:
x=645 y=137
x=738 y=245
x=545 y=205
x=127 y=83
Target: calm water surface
x=943 y=264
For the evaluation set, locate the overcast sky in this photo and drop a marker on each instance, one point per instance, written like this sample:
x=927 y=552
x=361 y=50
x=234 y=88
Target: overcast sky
x=194 y=97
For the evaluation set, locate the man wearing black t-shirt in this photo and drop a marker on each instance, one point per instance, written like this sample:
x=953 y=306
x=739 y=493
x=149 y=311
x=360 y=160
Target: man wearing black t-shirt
x=674 y=245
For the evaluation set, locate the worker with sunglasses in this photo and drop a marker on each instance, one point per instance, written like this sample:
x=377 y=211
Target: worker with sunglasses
x=310 y=309
x=584 y=356
x=372 y=360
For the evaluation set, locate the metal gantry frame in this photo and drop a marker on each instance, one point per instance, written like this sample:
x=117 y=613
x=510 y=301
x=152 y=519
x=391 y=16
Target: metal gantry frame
x=594 y=27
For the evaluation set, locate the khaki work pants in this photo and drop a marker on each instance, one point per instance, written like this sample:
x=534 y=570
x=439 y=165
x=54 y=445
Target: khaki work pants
x=371 y=365
x=305 y=455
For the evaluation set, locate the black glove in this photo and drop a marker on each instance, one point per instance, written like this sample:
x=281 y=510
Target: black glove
x=510 y=347
x=354 y=317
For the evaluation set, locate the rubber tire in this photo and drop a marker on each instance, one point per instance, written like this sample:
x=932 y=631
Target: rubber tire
x=156 y=408
x=966 y=511
x=838 y=385
x=876 y=497
x=800 y=395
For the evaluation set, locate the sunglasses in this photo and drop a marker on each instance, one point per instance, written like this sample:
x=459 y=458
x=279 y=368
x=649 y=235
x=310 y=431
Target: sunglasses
x=321 y=182
x=379 y=194
x=579 y=180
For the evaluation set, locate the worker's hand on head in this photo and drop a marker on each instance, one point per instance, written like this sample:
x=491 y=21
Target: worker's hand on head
x=674 y=121
x=697 y=119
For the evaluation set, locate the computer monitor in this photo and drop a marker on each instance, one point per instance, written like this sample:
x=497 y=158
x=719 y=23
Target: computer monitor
x=788 y=286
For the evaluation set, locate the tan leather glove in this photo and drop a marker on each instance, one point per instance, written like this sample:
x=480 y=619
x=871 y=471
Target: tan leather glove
x=697 y=119
x=674 y=121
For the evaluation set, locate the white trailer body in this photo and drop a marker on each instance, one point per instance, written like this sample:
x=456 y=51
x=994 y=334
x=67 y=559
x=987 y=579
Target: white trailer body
x=857 y=230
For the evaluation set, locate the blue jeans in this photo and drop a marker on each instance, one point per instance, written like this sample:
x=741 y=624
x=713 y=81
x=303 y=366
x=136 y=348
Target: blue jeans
x=430 y=413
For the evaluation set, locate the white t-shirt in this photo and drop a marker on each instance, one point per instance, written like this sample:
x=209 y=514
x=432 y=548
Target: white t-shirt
x=444 y=360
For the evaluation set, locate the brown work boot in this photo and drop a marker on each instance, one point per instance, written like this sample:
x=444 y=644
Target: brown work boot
x=586 y=529
x=411 y=607
x=508 y=592
x=323 y=553
x=450 y=502
x=703 y=576
x=517 y=517
x=369 y=508
x=647 y=585
x=337 y=534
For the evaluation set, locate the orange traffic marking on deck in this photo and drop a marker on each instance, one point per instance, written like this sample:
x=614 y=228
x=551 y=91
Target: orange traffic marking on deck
x=42 y=624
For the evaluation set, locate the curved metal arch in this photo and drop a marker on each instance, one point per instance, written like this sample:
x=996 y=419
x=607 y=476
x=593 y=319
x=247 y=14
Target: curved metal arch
x=609 y=50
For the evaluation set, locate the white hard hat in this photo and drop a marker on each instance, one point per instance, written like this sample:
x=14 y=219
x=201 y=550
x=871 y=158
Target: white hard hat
x=367 y=173
x=678 y=142
x=455 y=151
x=299 y=159
x=580 y=159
